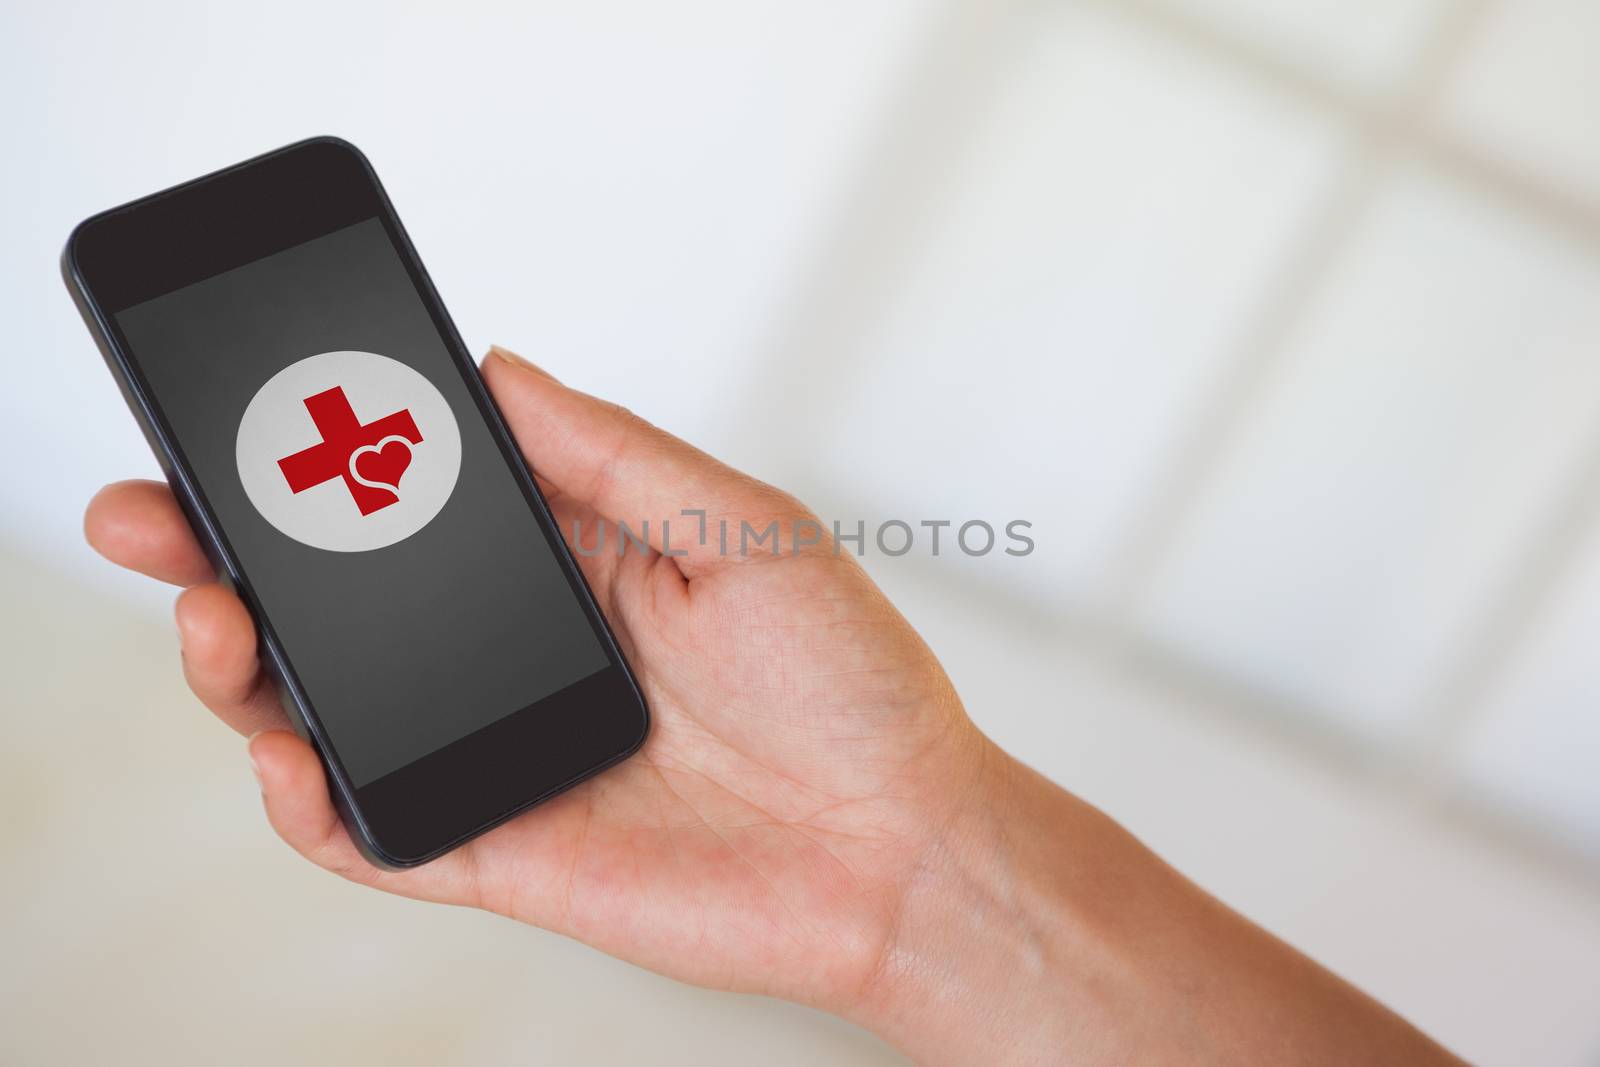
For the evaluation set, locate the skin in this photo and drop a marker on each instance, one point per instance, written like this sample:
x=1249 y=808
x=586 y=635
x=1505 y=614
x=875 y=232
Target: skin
x=814 y=816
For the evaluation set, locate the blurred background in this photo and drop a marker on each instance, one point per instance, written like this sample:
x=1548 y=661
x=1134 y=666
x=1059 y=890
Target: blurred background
x=1281 y=323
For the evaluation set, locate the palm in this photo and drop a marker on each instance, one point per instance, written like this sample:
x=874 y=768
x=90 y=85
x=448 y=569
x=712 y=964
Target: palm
x=772 y=810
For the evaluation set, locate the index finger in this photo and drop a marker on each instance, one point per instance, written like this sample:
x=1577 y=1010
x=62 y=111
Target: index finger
x=137 y=524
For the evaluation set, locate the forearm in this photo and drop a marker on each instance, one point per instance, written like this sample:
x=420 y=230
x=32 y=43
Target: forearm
x=1038 y=930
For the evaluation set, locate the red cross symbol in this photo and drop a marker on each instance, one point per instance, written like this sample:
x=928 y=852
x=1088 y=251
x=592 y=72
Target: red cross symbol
x=343 y=433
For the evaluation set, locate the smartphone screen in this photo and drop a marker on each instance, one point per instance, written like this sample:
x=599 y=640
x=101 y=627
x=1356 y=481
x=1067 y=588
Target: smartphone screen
x=340 y=446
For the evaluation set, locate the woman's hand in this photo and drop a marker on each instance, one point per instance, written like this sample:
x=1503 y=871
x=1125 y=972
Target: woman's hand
x=807 y=750
x=813 y=816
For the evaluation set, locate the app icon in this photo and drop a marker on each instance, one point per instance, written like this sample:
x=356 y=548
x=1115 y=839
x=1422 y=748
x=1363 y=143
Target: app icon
x=348 y=451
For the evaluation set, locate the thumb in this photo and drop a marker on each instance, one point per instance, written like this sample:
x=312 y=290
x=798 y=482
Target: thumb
x=627 y=470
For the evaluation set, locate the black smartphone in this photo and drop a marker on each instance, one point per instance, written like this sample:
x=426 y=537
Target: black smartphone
x=334 y=447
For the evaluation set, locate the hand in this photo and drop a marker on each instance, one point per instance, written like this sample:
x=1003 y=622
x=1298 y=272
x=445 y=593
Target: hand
x=814 y=816
x=806 y=749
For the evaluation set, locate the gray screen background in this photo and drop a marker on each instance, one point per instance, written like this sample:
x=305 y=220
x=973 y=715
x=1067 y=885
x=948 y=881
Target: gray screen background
x=403 y=649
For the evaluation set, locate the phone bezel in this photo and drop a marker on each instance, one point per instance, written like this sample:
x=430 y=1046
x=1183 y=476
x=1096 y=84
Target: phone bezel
x=198 y=229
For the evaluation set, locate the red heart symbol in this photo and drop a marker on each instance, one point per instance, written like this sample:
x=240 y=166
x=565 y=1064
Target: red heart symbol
x=381 y=465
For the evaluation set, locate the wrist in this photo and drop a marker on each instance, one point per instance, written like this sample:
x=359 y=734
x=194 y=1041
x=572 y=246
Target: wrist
x=986 y=927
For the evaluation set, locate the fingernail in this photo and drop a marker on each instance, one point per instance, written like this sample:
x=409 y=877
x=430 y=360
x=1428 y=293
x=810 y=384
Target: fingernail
x=517 y=361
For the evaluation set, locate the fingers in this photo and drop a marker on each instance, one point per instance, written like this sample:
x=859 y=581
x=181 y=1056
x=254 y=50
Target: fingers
x=219 y=659
x=295 y=792
x=137 y=524
x=626 y=469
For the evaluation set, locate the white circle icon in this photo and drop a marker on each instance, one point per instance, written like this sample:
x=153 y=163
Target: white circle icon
x=348 y=451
